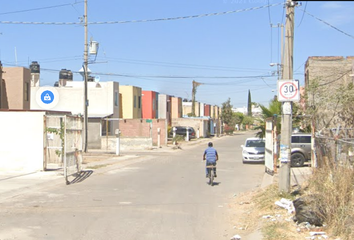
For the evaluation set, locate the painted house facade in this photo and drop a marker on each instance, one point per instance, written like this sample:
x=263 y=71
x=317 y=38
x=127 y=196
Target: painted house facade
x=15 y=88
x=164 y=110
x=131 y=102
x=150 y=104
x=176 y=107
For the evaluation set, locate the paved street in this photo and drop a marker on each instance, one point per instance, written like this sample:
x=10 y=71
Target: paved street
x=163 y=196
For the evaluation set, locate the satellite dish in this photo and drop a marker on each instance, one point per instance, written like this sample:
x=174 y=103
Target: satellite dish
x=97 y=79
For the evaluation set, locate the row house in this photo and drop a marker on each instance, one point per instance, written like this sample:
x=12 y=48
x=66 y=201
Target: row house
x=150 y=103
x=176 y=107
x=15 y=90
x=131 y=102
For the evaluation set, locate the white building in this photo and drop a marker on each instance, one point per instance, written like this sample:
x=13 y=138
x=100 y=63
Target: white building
x=103 y=102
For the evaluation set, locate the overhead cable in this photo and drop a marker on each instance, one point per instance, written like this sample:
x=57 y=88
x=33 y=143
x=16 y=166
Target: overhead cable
x=328 y=24
x=146 y=20
x=42 y=8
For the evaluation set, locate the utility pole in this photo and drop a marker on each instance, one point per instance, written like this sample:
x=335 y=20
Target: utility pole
x=286 y=120
x=194 y=91
x=85 y=80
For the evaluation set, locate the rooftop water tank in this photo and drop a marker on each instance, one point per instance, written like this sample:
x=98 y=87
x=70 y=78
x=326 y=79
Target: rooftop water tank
x=35 y=68
x=66 y=74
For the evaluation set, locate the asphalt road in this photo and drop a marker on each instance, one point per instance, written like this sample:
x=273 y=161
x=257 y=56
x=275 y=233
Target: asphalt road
x=164 y=196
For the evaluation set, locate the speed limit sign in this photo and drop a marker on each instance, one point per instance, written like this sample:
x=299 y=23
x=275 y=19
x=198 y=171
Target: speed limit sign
x=288 y=90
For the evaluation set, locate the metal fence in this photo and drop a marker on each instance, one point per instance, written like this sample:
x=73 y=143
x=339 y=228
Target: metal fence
x=63 y=146
x=334 y=151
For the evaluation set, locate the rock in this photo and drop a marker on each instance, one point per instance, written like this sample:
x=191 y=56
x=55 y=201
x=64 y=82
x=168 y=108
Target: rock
x=308 y=209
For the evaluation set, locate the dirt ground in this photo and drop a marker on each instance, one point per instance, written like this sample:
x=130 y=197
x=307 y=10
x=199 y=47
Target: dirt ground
x=250 y=215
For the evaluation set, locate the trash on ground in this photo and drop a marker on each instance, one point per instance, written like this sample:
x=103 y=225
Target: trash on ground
x=287 y=204
x=307 y=209
x=236 y=237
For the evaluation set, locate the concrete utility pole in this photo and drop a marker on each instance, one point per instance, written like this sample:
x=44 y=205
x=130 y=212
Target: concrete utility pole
x=286 y=120
x=85 y=80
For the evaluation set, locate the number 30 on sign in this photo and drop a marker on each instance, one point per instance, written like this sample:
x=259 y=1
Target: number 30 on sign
x=288 y=91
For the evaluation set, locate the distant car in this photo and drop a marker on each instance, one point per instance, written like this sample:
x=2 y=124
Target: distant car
x=182 y=130
x=300 y=149
x=253 y=150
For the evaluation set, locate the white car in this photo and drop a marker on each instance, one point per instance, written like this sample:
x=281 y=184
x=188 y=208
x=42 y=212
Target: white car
x=253 y=150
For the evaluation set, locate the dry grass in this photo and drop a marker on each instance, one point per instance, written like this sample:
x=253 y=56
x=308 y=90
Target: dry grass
x=335 y=186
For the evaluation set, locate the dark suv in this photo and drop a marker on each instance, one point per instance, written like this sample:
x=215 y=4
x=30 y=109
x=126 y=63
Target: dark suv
x=300 y=149
x=182 y=130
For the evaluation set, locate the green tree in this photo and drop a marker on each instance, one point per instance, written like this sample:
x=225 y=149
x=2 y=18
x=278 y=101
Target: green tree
x=273 y=109
x=227 y=113
x=228 y=117
x=249 y=106
x=238 y=117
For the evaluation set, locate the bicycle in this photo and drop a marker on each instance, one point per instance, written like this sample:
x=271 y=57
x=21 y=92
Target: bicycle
x=211 y=173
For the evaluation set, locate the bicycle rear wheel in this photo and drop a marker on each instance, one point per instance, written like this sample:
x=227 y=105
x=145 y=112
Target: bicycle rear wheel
x=211 y=177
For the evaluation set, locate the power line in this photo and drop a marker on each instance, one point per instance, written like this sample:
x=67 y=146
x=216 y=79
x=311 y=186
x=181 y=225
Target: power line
x=303 y=14
x=328 y=24
x=42 y=8
x=146 y=20
x=183 y=65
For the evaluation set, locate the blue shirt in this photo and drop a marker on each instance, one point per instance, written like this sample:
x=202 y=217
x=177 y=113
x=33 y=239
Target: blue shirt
x=210 y=154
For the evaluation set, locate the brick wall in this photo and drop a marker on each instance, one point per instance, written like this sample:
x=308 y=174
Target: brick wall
x=141 y=128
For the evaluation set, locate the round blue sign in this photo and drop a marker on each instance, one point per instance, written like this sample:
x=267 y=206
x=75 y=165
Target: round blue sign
x=47 y=97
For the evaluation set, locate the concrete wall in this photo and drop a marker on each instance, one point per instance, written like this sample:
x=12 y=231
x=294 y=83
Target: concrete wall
x=126 y=143
x=331 y=73
x=22 y=144
x=196 y=123
x=16 y=88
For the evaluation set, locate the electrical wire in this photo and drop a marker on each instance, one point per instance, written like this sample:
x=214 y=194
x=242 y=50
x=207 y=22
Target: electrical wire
x=42 y=8
x=328 y=24
x=303 y=14
x=146 y=20
x=183 y=65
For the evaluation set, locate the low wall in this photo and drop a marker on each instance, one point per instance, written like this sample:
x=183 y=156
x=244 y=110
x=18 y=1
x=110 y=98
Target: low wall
x=126 y=143
x=131 y=128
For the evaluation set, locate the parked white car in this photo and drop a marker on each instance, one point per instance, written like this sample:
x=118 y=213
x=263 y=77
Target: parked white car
x=253 y=150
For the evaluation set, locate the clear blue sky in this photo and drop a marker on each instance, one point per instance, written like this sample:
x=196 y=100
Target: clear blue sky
x=230 y=53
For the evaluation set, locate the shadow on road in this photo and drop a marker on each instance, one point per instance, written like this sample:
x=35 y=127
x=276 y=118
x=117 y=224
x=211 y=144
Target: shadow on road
x=80 y=177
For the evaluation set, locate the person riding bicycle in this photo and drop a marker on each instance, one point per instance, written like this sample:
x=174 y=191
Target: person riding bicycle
x=211 y=156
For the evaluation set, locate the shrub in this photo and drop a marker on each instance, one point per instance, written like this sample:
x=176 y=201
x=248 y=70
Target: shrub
x=228 y=129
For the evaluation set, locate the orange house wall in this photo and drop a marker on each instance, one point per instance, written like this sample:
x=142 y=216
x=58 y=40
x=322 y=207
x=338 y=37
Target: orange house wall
x=148 y=99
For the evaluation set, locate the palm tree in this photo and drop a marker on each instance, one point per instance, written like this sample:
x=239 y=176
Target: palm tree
x=274 y=109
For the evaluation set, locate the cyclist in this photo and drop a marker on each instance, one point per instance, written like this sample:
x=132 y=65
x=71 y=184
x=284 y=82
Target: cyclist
x=211 y=156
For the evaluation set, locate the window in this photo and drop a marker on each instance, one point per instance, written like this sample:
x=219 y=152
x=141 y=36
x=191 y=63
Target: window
x=134 y=101
x=305 y=139
x=26 y=97
x=295 y=139
x=139 y=102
